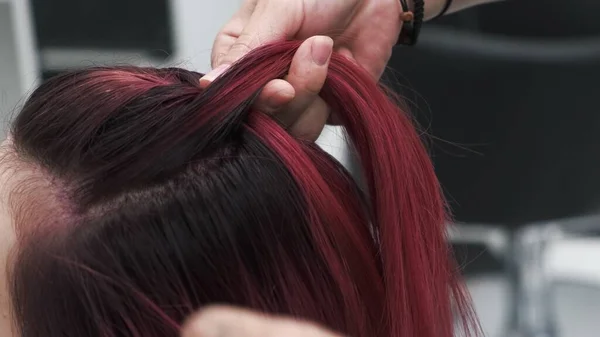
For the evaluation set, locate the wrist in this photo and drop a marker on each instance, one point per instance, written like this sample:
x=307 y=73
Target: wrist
x=412 y=15
x=432 y=8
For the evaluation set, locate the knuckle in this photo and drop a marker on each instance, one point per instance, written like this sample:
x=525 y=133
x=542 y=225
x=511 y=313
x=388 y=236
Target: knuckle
x=217 y=59
x=238 y=49
x=241 y=46
x=312 y=86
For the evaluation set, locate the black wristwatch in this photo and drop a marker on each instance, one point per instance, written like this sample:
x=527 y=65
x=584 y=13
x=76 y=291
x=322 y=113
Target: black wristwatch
x=413 y=20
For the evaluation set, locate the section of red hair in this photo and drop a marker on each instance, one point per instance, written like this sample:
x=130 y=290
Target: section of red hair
x=420 y=277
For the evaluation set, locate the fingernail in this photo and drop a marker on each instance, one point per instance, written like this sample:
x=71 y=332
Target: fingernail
x=321 y=50
x=213 y=74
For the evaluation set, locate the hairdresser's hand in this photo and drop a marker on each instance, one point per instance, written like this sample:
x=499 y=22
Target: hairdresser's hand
x=230 y=322
x=363 y=30
x=295 y=101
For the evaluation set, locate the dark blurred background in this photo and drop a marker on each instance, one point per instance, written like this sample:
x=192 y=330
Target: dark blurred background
x=507 y=95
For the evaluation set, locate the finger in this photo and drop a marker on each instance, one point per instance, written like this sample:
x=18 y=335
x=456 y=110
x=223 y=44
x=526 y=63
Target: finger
x=310 y=124
x=308 y=72
x=210 y=77
x=270 y=21
x=275 y=94
x=232 y=322
x=231 y=31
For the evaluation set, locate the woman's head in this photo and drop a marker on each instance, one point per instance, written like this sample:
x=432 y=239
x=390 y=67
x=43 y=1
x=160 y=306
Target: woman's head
x=136 y=197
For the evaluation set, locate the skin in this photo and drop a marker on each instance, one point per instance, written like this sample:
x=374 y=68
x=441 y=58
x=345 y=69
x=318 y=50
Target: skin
x=300 y=88
x=232 y=322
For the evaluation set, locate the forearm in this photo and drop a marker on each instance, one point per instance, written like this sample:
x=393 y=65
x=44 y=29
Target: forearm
x=434 y=7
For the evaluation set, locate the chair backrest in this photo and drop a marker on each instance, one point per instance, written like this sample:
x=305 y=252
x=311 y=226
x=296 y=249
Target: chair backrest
x=140 y=25
x=515 y=120
x=548 y=19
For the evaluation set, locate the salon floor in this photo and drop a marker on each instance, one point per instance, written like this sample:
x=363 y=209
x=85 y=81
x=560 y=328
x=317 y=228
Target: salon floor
x=576 y=262
x=575 y=296
x=577 y=307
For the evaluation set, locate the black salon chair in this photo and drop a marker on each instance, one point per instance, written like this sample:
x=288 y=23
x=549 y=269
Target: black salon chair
x=510 y=94
x=72 y=33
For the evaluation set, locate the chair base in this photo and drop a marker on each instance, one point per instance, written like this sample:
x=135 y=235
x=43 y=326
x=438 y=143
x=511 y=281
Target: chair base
x=524 y=253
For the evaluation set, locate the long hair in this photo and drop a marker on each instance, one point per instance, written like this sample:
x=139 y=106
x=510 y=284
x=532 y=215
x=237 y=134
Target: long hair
x=154 y=197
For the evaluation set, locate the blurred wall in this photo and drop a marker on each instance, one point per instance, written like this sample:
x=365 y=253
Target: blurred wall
x=18 y=62
x=10 y=84
x=195 y=25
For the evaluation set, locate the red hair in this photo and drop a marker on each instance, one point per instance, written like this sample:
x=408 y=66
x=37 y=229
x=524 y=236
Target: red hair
x=177 y=197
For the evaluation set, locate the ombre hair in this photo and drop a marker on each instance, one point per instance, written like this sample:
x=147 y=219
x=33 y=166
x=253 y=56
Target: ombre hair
x=165 y=197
